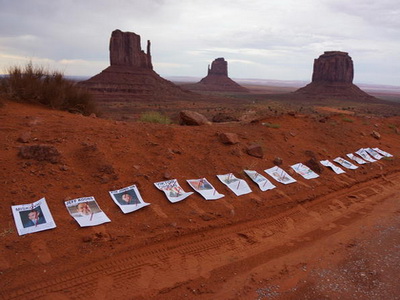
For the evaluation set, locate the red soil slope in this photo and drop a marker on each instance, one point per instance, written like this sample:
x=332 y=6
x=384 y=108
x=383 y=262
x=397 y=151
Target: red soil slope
x=231 y=248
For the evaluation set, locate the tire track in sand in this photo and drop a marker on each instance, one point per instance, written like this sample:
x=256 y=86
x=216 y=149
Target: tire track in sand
x=197 y=255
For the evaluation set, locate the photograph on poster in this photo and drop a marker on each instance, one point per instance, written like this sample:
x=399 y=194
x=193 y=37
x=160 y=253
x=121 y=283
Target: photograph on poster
x=204 y=188
x=263 y=183
x=128 y=199
x=172 y=190
x=32 y=217
x=86 y=211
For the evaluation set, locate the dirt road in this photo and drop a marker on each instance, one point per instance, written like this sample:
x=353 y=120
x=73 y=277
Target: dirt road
x=273 y=258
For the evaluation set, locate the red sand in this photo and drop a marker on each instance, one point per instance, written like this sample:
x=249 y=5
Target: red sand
x=232 y=248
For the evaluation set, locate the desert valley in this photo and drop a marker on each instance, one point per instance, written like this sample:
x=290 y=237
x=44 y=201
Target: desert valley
x=334 y=236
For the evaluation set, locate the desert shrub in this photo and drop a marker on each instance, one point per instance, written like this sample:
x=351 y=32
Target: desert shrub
x=155 y=117
x=34 y=84
x=271 y=125
x=348 y=120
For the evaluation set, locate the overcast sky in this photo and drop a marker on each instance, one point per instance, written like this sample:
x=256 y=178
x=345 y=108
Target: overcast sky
x=274 y=39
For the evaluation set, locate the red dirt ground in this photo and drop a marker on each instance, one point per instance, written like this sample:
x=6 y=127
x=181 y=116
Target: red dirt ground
x=293 y=242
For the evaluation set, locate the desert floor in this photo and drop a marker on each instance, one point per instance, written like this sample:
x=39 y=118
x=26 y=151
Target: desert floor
x=333 y=237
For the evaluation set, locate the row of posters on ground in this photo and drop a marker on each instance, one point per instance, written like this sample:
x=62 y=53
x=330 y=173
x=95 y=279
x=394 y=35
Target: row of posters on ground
x=36 y=216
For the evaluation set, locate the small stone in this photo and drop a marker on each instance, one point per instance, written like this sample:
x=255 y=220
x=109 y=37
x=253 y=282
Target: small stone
x=278 y=161
x=24 y=138
x=255 y=150
x=229 y=138
x=64 y=168
x=192 y=118
x=167 y=175
x=314 y=165
x=375 y=135
x=291 y=113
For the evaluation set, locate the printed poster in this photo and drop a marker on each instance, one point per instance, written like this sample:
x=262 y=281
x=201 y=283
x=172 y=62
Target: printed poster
x=356 y=158
x=128 y=199
x=236 y=185
x=263 y=183
x=373 y=153
x=365 y=155
x=204 y=188
x=329 y=164
x=304 y=171
x=172 y=190
x=345 y=163
x=280 y=175
x=32 y=217
x=381 y=152
x=86 y=211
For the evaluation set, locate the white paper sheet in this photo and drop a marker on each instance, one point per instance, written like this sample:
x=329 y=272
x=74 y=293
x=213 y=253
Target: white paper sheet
x=128 y=199
x=263 y=183
x=365 y=155
x=236 y=185
x=280 y=175
x=304 y=171
x=373 y=153
x=172 y=190
x=335 y=169
x=86 y=211
x=356 y=159
x=345 y=163
x=204 y=188
x=32 y=217
x=381 y=152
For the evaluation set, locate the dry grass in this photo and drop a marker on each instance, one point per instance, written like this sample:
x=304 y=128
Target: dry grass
x=35 y=84
x=154 y=117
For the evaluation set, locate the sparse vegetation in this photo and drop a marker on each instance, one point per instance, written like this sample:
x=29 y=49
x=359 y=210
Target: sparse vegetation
x=155 y=117
x=388 y=158
x=271 y=125
x=35 y=84
x=348 y=120
x=6 y=231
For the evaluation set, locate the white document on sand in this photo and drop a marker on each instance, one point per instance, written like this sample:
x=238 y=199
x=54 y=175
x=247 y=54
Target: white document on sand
x=329 y=164
x=345 y=163
x=263 y=183
x=236 y=185
x=356 y=158
x=172 y=190
x=86 y=211
x=280 y=175
x=204 y=188
x=382 y=152
x=32 y=217
x=365 y=156
x=128 y=199
x=373 y=153
x=304 y=171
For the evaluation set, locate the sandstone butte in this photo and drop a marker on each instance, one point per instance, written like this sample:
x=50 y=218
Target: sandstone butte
x=332 y=76
x=217 y=79
x=130 y=73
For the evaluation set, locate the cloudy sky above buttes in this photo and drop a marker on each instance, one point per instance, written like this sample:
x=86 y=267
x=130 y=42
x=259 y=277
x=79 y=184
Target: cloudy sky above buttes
x=276 y=39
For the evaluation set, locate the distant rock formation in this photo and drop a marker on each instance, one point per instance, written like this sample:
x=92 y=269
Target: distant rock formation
x=333 y=66
x=125 y=50
x=332 y=76
x=218 y=67
x=130 y=75
x=217 y=80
